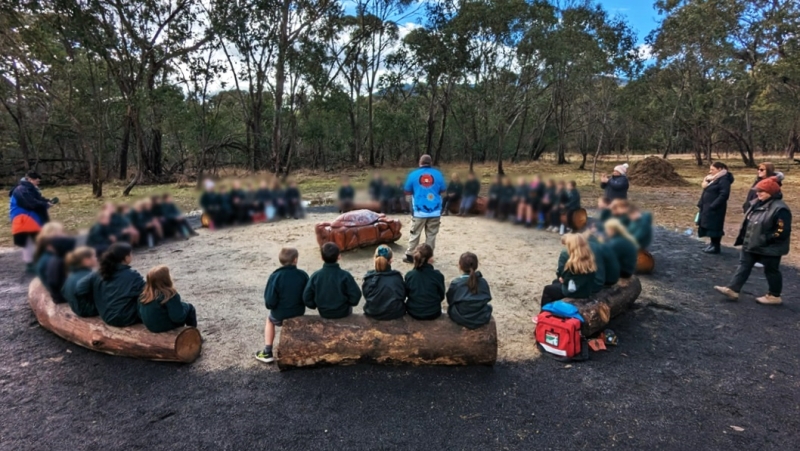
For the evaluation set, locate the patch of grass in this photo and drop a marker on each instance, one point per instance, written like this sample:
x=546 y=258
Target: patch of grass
x=673 y=207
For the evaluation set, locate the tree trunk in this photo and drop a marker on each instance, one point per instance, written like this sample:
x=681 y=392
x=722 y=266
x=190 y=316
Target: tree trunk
x=431 y=123
x=123 y=151
x=607 y=304
x=179 y=345
x=308 y=341
x=280 y=81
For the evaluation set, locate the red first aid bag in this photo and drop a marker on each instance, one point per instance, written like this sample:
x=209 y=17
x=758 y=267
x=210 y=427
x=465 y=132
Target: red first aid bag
x=560 y=337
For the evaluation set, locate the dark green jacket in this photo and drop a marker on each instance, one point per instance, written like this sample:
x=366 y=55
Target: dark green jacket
x=41 y=266
x=472 y=188
x=471 y=310
x=158 y=317
x=584 y=285
x=573 y=200
x=521 y=192
x=82 y=306
x=118 y=223
x=507 y=193
x=283 y=294
x=766 y=228
x=99 y=235
x=116 y=299
x=170 y=211
x=387 y=191
x=384 y=294
x=605 y=215
x=136 y=220
x=495 y=190
x=333 y=291
x=600 y=271
x=604 y=257
x=425 y=292
x=642 y=230
x=455 y=189
x=346 y=193
x=626 y=253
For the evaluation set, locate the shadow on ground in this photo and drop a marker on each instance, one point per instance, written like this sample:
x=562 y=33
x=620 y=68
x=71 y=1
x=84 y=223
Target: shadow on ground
x=690 y=365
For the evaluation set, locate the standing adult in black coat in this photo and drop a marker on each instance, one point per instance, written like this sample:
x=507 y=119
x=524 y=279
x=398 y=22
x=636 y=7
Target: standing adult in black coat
x=616 y=186
x=713 y=205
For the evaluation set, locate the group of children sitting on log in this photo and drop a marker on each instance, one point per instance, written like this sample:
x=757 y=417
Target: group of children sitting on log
x=237 y=205
x=390 y=196
x=149 y=221
x=598 y=258
x=388 y=294
x=108 y=288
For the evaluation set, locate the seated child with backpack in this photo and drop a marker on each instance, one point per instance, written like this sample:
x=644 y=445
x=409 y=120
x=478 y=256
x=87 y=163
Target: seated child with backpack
x=383 y=288
x=160 y=306
x=331 y=290
x=577 y=279
x=468 y=296
x=283 y=297
x=425 y=286
x=80 y=264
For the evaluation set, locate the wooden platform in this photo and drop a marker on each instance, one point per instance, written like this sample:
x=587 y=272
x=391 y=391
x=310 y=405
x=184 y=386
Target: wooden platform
x=179 y=345
x=309 y=341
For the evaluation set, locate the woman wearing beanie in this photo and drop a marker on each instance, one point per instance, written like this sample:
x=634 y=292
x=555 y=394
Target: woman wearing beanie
x=616 y=186
x=713 y=205
x=765 y=171
x=764 y=238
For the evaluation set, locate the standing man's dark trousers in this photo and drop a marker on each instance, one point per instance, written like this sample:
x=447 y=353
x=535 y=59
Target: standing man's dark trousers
x=772 y=272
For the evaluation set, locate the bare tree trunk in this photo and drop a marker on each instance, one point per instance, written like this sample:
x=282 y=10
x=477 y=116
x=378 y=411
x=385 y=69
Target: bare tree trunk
x=280 y=80
x=123 y=151
x=431 y=123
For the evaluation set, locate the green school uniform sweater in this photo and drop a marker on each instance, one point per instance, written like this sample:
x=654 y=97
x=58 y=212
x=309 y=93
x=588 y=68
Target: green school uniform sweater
x=384 y=294
x=41 y=266
x=346 y=193
x=584 y=285
x=116 y=299
x=99 y=236
x=605 y=257
x=283 y=294
x=332 y=291
x=642 y=230
x=626 y=253
x=455 y=189
x=81 y=305
x=468 y=309
x=472 y=188
x=425 y=292
x=162 y=317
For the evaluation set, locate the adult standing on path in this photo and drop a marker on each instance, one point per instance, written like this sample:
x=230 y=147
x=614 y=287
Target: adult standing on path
x=616 y=186
x=765 y=171
x=426 y=186
x=764 y=238
x=713 y=206
x=28 y=213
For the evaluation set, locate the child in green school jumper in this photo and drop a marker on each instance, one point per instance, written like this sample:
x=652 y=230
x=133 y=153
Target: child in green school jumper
x=425 y=286
x=331 y=290
x=383 y=288
x=283 y=297
x=468 y=296
x=160 y=305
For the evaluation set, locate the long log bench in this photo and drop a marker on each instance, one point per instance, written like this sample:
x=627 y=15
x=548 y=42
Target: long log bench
x=179 y=345
x=608 y=303
x=309 y=341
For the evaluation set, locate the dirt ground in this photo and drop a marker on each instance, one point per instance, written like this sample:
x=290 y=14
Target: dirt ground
x=691 y=371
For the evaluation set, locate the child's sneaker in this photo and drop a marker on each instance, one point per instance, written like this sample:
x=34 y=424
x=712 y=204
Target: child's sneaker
x=265 y=356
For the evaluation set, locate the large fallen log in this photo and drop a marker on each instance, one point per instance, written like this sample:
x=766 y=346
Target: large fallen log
x=309 y=341
x=179 y=345
x=607 y=304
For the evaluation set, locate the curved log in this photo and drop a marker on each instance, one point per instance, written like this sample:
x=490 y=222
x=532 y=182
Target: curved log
x=309 y=341
x=607 y=304
x=179 y=345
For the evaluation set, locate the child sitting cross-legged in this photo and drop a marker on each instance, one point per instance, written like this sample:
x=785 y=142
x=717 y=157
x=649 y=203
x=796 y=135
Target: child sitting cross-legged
x=468 y=296
x=160 y=306
x=283 y=297
x=331 y=290
x=384 y=289
x=425 y=286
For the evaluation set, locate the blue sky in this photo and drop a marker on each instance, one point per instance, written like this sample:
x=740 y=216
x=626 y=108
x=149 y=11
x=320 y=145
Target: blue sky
x=640 y=14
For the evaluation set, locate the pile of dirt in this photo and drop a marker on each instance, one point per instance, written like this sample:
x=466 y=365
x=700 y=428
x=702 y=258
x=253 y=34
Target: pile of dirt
x=655 y=171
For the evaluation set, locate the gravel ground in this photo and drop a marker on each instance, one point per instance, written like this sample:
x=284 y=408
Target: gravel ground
x=692 y=371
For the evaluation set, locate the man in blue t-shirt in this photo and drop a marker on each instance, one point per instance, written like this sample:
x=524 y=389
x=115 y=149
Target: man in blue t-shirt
x=425 y=186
